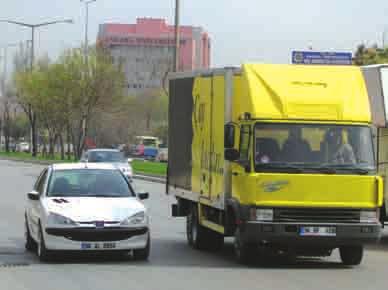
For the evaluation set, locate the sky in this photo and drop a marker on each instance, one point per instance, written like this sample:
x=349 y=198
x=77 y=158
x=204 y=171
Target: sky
x=241 y=31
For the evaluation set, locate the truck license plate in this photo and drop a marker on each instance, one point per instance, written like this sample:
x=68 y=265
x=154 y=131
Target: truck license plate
x=318 y=231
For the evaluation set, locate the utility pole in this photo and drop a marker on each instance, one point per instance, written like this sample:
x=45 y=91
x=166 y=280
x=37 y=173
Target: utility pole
x=177 y=38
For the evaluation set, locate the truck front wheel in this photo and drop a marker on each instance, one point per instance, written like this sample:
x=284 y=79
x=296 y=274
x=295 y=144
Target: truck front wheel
x=245 y=252
x=351 y=255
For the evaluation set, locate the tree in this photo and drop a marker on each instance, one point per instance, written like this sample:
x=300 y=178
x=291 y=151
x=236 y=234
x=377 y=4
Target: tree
x=21 y=63
x=370 y=55
x=7 y=105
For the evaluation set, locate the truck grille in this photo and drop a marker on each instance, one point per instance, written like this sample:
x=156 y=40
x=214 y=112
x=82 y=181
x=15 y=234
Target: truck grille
x=317 y=215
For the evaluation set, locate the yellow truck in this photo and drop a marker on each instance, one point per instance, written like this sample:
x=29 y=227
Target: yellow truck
x=280 y=157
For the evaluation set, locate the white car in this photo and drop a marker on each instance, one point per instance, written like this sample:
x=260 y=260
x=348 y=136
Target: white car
x=23 y=147
x=86 y=207
x=110 y=156
x=162 y=155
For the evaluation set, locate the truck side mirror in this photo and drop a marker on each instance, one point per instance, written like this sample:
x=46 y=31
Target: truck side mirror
x=231 y=154
x=229 y=136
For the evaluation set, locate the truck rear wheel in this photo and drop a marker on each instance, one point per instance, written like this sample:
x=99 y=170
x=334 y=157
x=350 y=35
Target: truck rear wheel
x=245 y=252
x=199 y=237
x=351 y=255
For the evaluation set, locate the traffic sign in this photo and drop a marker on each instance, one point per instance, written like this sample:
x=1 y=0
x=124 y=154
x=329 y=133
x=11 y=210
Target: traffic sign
x=321 y=58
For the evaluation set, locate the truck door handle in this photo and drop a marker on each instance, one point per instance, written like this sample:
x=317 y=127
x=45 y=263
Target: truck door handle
x=235 y=173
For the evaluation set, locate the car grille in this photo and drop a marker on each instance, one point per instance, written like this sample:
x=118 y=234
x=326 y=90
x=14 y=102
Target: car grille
x=317 y=215
x=94 y=235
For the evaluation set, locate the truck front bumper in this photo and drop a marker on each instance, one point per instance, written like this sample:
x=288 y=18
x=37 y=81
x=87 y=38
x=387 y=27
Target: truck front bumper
x=289 y=234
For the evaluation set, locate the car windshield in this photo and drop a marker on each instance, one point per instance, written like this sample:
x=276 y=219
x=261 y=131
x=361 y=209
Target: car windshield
x=88 y=183
x=106 y=156
x=308 y=146
x=149 y=142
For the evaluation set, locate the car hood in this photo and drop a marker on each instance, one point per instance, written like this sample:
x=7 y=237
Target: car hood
x=90 y=209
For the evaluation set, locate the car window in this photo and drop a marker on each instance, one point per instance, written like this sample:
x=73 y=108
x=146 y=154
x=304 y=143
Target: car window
x=39 y=185
x=89 y=183
x=106 y=156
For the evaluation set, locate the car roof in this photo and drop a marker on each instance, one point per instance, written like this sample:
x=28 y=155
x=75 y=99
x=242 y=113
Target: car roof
x=83 y=165
x=102 y=149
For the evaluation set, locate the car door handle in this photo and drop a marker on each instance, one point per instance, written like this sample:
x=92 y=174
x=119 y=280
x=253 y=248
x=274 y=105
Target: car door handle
x=235 y=173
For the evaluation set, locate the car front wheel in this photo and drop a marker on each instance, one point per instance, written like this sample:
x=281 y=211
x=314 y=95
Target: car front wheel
x=43 y=254
x=29 y=243
x=143 y=254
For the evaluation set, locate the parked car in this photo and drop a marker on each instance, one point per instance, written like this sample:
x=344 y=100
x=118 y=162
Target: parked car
x=85 y=207
x=23 y=147
x=110 y=156
x=162 y=154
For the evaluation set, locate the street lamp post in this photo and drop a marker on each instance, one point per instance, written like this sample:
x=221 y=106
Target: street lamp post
x=33 y=27
x=86 y=48
x=177 y=41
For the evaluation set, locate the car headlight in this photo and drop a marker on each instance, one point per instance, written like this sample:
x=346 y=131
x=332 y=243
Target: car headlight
x=261 y=214
x=57 y=219
x=137 y=219
x=369 y=216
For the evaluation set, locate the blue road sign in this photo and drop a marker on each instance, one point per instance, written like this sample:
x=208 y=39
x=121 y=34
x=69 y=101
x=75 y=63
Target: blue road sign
x=320 y=57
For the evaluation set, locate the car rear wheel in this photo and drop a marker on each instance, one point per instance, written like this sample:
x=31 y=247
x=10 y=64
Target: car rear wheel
x=29 y=243
x=43 y=254
x=143 y=254
x=351 y=255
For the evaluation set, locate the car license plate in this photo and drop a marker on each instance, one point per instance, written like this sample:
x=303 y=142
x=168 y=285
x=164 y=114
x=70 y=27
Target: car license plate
x=318 y=231
x=98 y=246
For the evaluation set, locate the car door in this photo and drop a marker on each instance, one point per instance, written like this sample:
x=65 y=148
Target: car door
x=35 y=206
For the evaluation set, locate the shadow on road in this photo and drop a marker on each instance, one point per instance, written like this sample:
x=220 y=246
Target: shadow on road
x=172 y=253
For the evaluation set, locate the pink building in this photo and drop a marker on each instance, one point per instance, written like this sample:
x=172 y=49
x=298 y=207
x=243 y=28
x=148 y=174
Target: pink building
x=146 y=49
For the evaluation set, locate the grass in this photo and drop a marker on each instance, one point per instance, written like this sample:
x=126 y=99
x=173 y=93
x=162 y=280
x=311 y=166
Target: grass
x=140 y=167
x=28 y=157
x=148 y=167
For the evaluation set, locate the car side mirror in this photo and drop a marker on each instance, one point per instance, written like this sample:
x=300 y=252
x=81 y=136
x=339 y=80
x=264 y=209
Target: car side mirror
x=231 y=154
x=33 y=195
x=130 y=160
x=143 y=195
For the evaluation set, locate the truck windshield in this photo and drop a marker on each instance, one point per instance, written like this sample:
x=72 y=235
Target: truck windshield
x=320 y=148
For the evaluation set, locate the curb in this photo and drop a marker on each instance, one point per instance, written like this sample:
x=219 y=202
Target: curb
x=150 y=178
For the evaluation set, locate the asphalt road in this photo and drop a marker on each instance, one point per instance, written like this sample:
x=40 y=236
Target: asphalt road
x=172 y=265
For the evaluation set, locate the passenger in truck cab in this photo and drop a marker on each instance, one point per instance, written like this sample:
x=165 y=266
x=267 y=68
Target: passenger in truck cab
x=343 y=152
x=295 y=148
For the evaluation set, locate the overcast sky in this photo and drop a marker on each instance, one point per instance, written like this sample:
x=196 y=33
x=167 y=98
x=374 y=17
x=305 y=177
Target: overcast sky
x=241 y=31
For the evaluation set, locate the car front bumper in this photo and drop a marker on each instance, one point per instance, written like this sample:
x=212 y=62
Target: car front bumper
x=289 y=234
x=86 y=239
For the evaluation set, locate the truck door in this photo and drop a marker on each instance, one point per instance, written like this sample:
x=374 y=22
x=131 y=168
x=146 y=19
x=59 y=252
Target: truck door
x=239 y=172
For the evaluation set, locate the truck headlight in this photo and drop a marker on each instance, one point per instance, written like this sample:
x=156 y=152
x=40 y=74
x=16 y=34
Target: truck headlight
x=262 y=214
x=369 y=216
x=57 y=219
x=137 y=219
